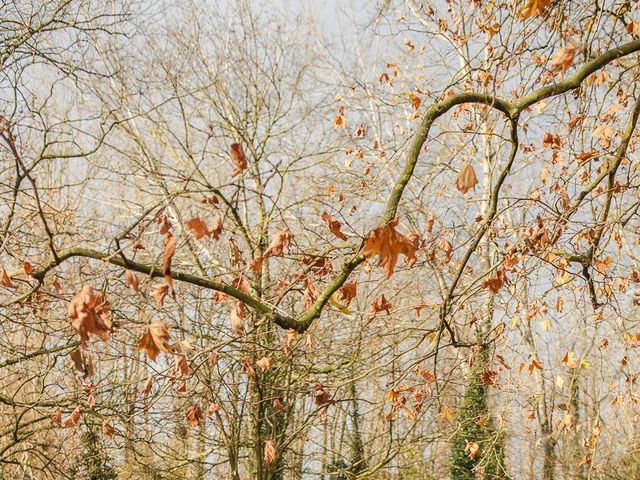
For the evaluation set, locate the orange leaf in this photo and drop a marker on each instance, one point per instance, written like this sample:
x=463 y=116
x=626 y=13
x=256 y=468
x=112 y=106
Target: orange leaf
x=280 y=242
x=107 y=429
x=334 y=226
x=194 y=415
x=270 y=452
x=239 y=159
x=388 y=244
x=73 y=419
x=563 y=58
x=310 y=294
x=380 y=304
x=213 y=408
x=159 y=292
x=197 y=227
x=27 y=267
x=5 y=280
x=533 y=8
x=347 y=293
x=264 y=363
x=167 y=254
x=132 y=280
x=155 y=339
x=89 y=313
x=146 y=387
x=570 y=360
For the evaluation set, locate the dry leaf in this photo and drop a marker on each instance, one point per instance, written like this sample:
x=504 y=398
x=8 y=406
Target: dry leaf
x=56 y=418
x=107 y=429
x=146 y=387
x=27 y=267
x=182 y=367
x=132 y=280
x=466 y=179
x=321 y=397
x=334 y=226
x=310 y=294
x=194 y=415
x=159 y=292
x=237 y=318
x=280 y=242
x=155 y=339
x=563 y=58
x=270 y=453
x=197 y=227
x=264 y=364
x=5 y=280
x=388 y=244
x=73 y=419
x=570 y=360
x=347 y=293
x=533 y=8
x=213 y=408
x=167 y=255
x=239 y=159
x=89 y=313
x=380 y=304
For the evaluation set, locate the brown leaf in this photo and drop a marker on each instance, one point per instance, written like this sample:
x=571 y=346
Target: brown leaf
x=248 y=368
x=310 y=294
x=239 y=159
x=73 y=419
x=264 y=364
x=280 y=242
x=321 y=397
x=570 y=360
x=347 y=293
x=496 y=281
x=5 y=280
x=563 y=58
x=132 y=280
x=89 y=313
x=270 y=452
x=194 y=415
x=82 y=362
x=108 y=430
x=155 y=339
x=277 y=404
x=334 y=226
x=388 y=244
x=380 y=304
x=27 y=267
x=197 y=227
x=237 y=318
x=182 y=367
x=167 y=254
x=159 y=292
x=56 y=418
x=146 y=387
x=466 y=179
x=255 y=265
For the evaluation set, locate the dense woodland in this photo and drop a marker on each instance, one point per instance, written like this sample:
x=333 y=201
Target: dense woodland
x=393 y=239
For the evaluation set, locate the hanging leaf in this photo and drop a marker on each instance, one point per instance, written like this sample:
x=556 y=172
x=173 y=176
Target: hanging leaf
x=466 y=179
x=239 y=159
x=155 y=340
x=387 y=243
